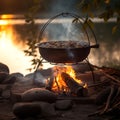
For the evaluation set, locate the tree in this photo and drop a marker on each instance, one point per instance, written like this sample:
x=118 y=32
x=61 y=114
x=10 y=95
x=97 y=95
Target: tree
x=103 y=9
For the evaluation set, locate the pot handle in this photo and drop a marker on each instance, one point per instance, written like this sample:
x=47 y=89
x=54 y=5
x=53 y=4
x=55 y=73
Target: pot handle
x=81 y=20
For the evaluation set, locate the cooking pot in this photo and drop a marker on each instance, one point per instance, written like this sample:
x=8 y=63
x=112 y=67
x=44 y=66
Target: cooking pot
x=66 y=54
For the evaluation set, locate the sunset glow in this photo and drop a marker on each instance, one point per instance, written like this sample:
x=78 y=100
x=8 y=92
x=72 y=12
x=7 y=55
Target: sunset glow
x=3 y=22
x=12 y=55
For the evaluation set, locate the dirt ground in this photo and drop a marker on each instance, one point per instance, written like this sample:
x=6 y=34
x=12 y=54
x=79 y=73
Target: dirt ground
x=78 y=112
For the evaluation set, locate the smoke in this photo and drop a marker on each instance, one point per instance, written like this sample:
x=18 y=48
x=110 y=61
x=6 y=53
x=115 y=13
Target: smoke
x=64 y=31
x=59 y=6
x=49 y=8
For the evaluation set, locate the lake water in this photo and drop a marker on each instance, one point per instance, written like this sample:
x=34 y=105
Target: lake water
x=13 y=34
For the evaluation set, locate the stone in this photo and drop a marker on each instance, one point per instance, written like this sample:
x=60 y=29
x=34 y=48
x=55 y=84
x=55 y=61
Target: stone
x=45 y=72
x=33 y=109
x=9 y=80
x=39 y=94
x=15 y=97
x=37 y=78
x=4 y=68
x=1 y=90
x=6 y=94
x=47 y=109
x=28 y=109
x=17 y=74
x=63 y=104
x=3 y=76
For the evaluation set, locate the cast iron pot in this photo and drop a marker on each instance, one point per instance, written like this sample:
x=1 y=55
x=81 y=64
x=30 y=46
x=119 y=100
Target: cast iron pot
x=65 y=55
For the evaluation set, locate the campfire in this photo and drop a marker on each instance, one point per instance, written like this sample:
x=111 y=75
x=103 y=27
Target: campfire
x=64 y=81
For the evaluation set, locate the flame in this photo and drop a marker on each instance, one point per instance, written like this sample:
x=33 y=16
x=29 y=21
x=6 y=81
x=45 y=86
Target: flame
x=59 y=85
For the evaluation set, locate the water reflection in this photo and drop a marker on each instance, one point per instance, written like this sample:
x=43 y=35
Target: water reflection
x=13 y=33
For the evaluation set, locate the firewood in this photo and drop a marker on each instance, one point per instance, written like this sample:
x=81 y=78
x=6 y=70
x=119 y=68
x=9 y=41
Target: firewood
x=117 y=105
x=111 y=77
x=99 y=84
x=50 y=83
x=112 y=102
x=95 y=113
x=103 y=69
x=116 y=95
x=108 y=100
x=102 y=96
x=74 y=87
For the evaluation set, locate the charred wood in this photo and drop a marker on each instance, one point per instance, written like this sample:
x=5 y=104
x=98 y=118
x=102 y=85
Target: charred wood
x=74 y=87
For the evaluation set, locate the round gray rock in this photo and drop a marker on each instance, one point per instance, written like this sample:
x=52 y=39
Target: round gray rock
x=33 y=109
x=4 y=68
x=3 y=76
x=9 y=80
x=39 y=94
x=63 y=104
x=24 y=110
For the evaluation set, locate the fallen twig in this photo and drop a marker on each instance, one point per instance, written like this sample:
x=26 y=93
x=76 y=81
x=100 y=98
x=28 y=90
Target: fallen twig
x=98 y=84
x=113 y=107
x=111 y=77
x=116 y=96
x=108 y=100
x=107 y=75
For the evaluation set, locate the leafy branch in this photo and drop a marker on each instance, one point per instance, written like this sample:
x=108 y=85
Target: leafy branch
x=32 y=34
x=103 y=9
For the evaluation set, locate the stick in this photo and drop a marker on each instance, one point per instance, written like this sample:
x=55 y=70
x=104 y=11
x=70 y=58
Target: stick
x=95 y=113
x=98 y=84
x=115 y=106
x=111 y=77
x=107 y=75
x=116 y=96
x=108 y=100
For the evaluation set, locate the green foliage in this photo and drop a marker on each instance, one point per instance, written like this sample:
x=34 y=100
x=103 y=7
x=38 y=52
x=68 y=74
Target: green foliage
x=32 y=34
x=103 y=9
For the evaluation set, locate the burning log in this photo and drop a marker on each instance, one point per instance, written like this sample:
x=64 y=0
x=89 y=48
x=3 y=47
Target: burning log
x=50 y=83
x=74 y=87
